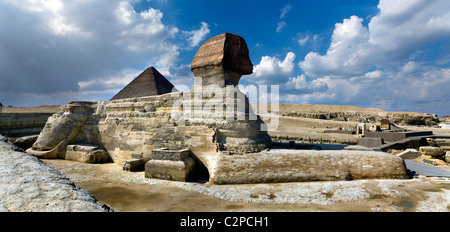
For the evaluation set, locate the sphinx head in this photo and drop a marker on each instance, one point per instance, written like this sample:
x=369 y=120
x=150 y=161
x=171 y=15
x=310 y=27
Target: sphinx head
x=222 y=60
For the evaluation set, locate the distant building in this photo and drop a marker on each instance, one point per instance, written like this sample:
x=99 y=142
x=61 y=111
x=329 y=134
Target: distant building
x=385 y=124
x=446 y=118
x=445 y=125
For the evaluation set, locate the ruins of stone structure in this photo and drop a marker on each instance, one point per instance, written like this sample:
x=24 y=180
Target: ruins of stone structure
x=168 y=137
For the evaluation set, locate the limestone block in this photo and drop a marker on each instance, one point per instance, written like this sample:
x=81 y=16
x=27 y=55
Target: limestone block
x=357 y=148
x=25 y=142
x=133 y=165
x=169 y=170
x=445 y=148
x=86 y=154
x=431 y=151
x=287 y=165
x=409 y=154
x=442 y=142
x=447 y=157
x=173 y=155
x=370 y=142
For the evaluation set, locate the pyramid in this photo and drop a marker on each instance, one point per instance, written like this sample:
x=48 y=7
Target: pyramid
x=148 y=83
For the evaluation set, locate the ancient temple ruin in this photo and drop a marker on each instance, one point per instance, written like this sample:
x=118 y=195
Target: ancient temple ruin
x=169 y=137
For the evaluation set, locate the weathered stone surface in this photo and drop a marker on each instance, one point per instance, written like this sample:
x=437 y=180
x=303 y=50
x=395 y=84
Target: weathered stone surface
x=442 y=142
x=27 y=185
x=445 y=148
x=126 y=132
x=409 y=154
x=133 y=165
x=22 y=124
x=370 y=142
x=173 y=155
x=431 y=142
x=357 y=148
x=63 y=126
x=222 y=60
x=352 y=115
x=86 y=153
x=431 y=151
x=169 y=170
x=447 y=157
x=286 y=165
x=170 y=164
x=25 y=142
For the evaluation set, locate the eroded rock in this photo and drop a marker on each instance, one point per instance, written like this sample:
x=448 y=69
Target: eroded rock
x=434 y=152
x=409 y=154
x=27 y=185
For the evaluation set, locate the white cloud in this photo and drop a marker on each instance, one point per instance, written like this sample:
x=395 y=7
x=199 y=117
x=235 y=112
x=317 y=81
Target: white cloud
x=110 y=84
x=344 y=54
x=285 y=10
x=410 y=67
x=181 y=75
x=197 y=36
x=387 y=63
x=392 y=36
x=273 y=70
x=280 y=26
x=56 y=47
x=377 y=74
x=302 y=86
x=302 y=41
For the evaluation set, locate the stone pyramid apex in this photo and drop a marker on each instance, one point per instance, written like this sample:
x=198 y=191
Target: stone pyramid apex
x=148 y=83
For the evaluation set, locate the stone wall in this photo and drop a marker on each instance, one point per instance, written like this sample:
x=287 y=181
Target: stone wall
x=22 y=124
x=393 y=117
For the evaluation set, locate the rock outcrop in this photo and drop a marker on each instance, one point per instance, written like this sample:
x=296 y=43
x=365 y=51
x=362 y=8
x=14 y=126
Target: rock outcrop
x=357 y=114
x=28 y=185
x=285 y=165
x=22 y=124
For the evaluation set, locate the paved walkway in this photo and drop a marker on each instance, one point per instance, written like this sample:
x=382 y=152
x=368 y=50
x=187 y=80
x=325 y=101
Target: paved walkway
x=425 y=169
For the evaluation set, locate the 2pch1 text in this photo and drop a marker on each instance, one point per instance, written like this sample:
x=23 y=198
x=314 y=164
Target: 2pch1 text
x=227 y=221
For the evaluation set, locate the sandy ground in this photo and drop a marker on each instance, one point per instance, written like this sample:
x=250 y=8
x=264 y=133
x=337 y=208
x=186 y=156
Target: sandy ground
x=131 y=191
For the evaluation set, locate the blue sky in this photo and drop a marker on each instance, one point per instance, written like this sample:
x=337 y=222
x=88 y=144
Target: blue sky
x=389 y=54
